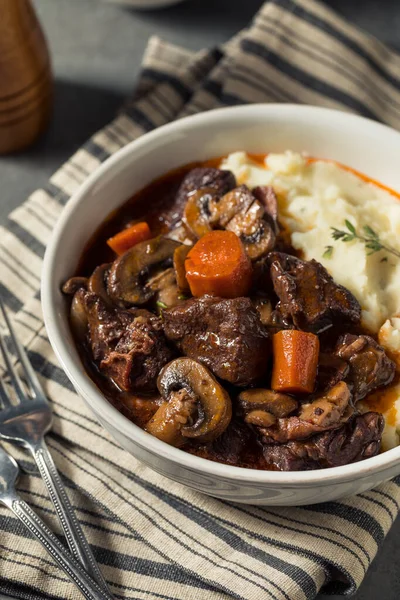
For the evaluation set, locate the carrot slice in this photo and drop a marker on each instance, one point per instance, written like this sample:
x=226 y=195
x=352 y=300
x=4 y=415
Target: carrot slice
x=219 y=266
x=125 y=239
x=295 y=361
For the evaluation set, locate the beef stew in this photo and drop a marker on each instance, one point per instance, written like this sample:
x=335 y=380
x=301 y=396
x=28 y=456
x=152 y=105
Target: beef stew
x=215 y=336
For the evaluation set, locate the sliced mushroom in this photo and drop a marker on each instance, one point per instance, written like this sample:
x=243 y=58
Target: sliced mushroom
x=196 y=405
x=180 y=255
x=260 y=418
x=279 y=405
x=139 y=408
x=247 y=220
x=172 y=416
x=196 y=215
x=74 y=284
x=240 y=212
x=166 y=288
x=97 y=282
x=329 y=408
x=236 y=201
x=128 y=276
x=78 y=316
x=260 y=242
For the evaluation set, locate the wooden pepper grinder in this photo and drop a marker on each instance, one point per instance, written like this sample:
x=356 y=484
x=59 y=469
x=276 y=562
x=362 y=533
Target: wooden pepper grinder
x=25 y=76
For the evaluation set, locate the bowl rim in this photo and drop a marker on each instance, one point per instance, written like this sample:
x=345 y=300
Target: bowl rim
x=86 y=387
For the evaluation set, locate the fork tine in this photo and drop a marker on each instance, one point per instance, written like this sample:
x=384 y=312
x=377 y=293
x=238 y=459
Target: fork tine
x=30 y=374
x=5 y=399
x=16 y=381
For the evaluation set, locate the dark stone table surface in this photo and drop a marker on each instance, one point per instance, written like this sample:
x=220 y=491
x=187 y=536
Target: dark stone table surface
x=96 y=50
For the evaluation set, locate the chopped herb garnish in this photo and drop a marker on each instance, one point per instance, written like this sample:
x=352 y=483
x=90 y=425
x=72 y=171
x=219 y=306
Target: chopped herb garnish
x=161 y=304
x=370 y=238
x=328 y=252
x=183 y=297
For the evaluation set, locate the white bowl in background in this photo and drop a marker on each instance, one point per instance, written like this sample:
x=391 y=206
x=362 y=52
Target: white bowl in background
x=365 y=145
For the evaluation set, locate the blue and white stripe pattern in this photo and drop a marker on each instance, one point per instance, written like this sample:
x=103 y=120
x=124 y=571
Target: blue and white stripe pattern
x=155 y=539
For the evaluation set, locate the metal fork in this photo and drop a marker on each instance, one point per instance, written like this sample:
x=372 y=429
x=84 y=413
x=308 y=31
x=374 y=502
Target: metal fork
x=8 y=476
x=25 y=422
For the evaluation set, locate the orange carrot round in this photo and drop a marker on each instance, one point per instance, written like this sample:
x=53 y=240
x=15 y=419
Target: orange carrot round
x=295 y=361
x=125 y=239
x=219 y=266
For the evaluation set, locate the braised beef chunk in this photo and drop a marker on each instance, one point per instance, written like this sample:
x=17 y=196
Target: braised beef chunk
x=236 y=446
x=265 y=194
x=217 y=180
x=106 y=325
x=226 y=335
x=308 y=294
x=370 y=367
x=129 y=346
x=331 y=370
x=138 y=357
x=356 y=440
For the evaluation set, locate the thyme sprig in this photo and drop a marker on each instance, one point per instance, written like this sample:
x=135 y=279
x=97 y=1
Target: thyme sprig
x=369 y=237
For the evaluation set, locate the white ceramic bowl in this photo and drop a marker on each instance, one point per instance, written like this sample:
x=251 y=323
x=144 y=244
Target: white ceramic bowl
x=146 y=4
x=362 y=144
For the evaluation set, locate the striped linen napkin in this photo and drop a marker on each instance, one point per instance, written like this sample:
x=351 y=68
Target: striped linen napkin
x=153 y=538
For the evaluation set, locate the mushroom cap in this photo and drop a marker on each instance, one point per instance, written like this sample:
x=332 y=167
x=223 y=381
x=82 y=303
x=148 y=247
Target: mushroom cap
x=196 y=215
x=260 y=418
x=279 y=405
x=74 y=284
x=78 y=316
x=213 y=404
x=97 y=282
x=180 y=255
x=128 y=273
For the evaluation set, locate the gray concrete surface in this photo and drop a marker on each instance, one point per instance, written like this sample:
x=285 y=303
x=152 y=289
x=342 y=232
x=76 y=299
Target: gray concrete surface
x=96 y=50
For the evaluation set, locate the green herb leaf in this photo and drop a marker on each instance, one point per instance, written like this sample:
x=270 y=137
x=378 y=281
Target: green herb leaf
x=337 y=234
x=161 y=304
x=369 y=231
x=370 y=239
x=183 y=297
x=373 y=245
x=328 y=252
x=350 y=227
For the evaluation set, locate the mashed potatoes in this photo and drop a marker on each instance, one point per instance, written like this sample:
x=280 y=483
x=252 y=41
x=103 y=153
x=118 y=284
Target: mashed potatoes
x=316 y=196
